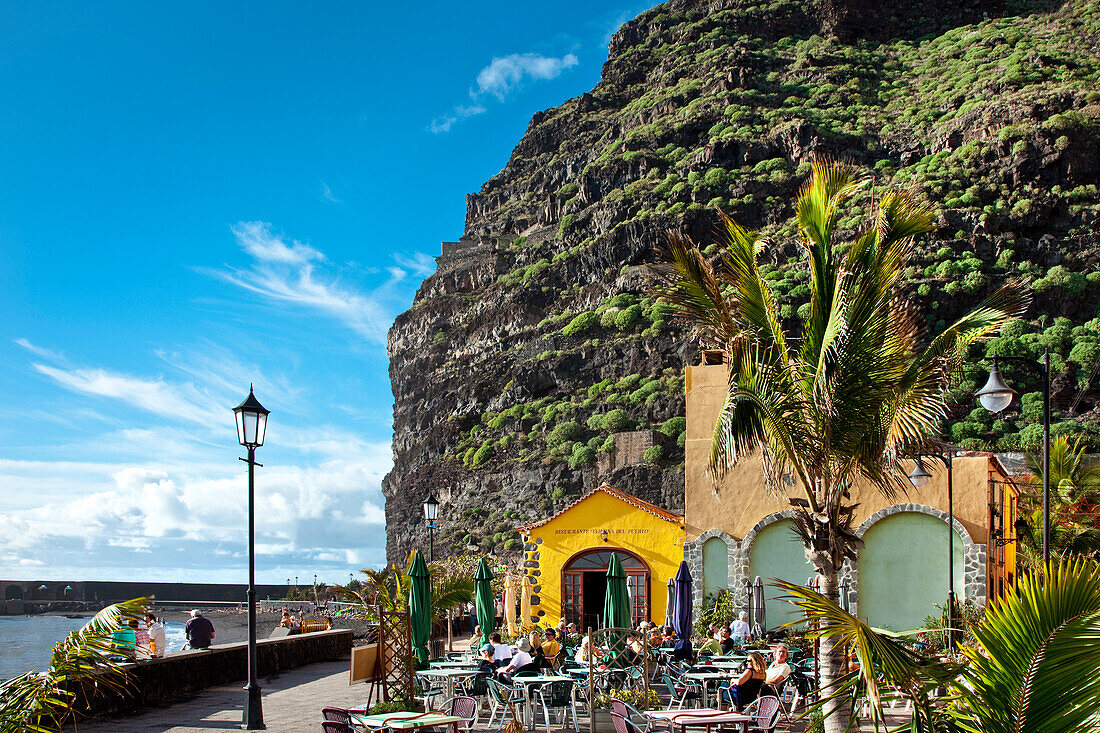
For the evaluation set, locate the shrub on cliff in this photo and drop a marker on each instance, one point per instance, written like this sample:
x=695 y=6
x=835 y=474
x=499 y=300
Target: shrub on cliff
x=654 y=453
x=625 y=319
x=580 y=324
x=483 y=454
x=568 y=431
x=582 y=455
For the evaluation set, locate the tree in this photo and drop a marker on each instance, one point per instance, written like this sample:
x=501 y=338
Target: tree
x=1074 y=500
x=851 y=390
x=1033 y=668
x=452 y=585
x=41 y=702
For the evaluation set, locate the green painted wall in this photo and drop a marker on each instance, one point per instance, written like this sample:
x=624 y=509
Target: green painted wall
x=903 y=570
x=716 y=567
x=777 y=552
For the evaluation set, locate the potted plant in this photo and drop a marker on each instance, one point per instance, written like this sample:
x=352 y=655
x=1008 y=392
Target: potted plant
x=635 y=698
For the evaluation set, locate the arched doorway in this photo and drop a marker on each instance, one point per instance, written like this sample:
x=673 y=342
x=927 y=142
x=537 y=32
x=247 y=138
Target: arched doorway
x=13 y=593
x=777 y=552
x=584 y=585
x=716 y=567
x=903 y=570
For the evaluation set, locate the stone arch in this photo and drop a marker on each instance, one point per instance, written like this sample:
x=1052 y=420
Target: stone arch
x=693 y=553
x=13 y=593
x=974 y=554
x=782 y=561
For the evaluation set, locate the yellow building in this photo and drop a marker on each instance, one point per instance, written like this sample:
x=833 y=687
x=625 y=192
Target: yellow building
x=566 y=557
x=738 y=531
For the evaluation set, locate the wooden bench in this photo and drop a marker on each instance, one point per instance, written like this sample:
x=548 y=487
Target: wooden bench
x=315 y=624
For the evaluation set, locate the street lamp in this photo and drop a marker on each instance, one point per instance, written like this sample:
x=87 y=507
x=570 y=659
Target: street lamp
x=251 y=427
x=920 y=477
x=996 y=396
x=431 y=513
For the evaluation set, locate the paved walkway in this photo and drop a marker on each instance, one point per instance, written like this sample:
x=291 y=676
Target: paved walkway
x=292 y=703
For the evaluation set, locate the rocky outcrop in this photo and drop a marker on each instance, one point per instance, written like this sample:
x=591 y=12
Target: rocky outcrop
x=536 y=342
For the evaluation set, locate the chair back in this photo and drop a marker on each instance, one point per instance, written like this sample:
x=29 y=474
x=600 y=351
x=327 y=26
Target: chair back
x=495 y=691
x=767 y=712
x=478 y=686
x=620 y=723
x=557 y=694
x=464 y=707
x=628 y=711
x=333 y=726
x=338 y=715
x=669 y=684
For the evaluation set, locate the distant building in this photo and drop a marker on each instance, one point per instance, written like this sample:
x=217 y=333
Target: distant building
x=566 y=558
x=738 y=531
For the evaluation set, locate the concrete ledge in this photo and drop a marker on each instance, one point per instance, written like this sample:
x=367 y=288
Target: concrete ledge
x=158 y=682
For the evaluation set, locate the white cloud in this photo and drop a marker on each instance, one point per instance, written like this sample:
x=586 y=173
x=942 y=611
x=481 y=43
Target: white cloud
x=418 y=263
x=176 y=402
x=286 y=273
x=257 y=239
x=328 y=195
x=504 y=74
x=500 y=78
x=40 y=351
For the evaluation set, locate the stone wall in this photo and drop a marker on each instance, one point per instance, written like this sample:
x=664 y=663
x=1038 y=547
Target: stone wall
x=158 y=682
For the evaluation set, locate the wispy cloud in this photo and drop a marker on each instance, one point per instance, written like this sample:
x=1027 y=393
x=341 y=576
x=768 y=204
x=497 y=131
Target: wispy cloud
x=257 y=239
x=502 y=76
x=180 y=402
x=505 y=73
x=40 y=351
x=328 y=195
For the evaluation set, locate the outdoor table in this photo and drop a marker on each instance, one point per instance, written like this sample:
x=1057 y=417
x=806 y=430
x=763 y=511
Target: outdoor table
x=704 y=717
x=449 y=674
x=453 y=665
x=401 y=720
x=535 y=679
x=706 y=678
x=718 y=664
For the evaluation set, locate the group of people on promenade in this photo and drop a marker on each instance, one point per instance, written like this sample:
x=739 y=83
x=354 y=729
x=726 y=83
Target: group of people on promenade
x=135 y=640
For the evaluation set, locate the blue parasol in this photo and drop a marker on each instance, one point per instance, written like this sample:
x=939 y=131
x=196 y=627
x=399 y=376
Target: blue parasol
x=681 y=618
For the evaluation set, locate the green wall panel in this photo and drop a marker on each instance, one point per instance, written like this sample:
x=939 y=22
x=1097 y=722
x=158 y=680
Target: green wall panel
x=777 y=552
x=716 y=566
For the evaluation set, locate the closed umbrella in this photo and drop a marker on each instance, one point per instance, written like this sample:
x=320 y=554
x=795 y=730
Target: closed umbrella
x=420 y=607
x=483 y=600
x=681 y=618
x=760 y=624
x=670 y=601
x=616 y=605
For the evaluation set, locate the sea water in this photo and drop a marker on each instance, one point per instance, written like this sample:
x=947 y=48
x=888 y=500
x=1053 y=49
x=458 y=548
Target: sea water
x=26 y=642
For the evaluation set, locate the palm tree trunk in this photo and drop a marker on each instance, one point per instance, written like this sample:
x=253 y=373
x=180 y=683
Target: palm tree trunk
x=831 y=658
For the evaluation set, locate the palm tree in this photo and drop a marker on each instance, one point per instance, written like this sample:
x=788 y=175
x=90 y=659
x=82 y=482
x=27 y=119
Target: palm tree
x=1034 y=668
x=849 y=391
x=41 y=702
x=389 y=588
x=1074 y=498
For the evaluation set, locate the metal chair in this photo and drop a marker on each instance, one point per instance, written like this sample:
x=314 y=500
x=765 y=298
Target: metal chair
x=637 y=722
x=335 y=726
x=622 y=725
x=465 y=707
x=765 y=712
x=681 y=690
x=425 y=692
x=338 y=715
x=475 y=686
x=504 y=699
x=558 y=696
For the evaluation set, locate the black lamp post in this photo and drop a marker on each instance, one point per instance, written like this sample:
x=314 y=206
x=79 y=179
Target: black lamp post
x=431 y=513
x=919 y=477
x=251 y=427
x=996 y=396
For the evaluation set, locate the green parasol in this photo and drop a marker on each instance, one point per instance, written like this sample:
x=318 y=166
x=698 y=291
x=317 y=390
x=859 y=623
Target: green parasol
x=420 y=607
x=483 y=600
x=616 y=602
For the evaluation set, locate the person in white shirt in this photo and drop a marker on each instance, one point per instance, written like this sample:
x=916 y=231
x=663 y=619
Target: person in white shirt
x=502 y=653
x=740 y=628
x=779 y=670
x=521 y=661
x=158 y=644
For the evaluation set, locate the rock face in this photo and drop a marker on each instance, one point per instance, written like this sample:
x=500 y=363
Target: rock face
x=536 y=342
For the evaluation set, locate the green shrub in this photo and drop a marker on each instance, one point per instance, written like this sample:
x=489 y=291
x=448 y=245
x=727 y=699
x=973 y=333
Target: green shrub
x=608 y=444
x=564 y=432
x=566 y=221
x=681 y=439
x=439 y=338
x=654 y=453
x=484 y=453
x=617 y=421
x=580 y=324
x=557 y=493
x=674 y=426
x=582 y=455
x=607 y=319
x=626 y=319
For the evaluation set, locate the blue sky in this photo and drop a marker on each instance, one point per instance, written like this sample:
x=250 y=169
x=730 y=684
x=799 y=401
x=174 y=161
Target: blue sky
x=199 y=196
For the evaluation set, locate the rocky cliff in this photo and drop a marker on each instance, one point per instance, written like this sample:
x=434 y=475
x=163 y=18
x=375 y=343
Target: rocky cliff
x=533 y=364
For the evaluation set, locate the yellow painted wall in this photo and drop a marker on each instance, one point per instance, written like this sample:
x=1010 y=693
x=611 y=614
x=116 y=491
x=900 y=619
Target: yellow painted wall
x=658 y=542
x=741 y=500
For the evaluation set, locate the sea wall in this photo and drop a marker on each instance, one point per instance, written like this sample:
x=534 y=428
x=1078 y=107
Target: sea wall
x=158 y=682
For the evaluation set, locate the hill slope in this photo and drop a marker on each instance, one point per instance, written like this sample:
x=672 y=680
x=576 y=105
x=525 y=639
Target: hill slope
x=535 y=342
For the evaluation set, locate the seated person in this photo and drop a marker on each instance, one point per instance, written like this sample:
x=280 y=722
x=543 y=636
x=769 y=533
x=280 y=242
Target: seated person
x=141 y=640
x=779 y=669
x=747 y=687
x=485 y=662
x=550 y=647
x=124 y=641
x=668 y=637
x=583 y=653
x=740 y=629
x=503 y=653
x=521 y=662
x=475 y=640
x=727 y=644
x=710 y=648
x=289 y=621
